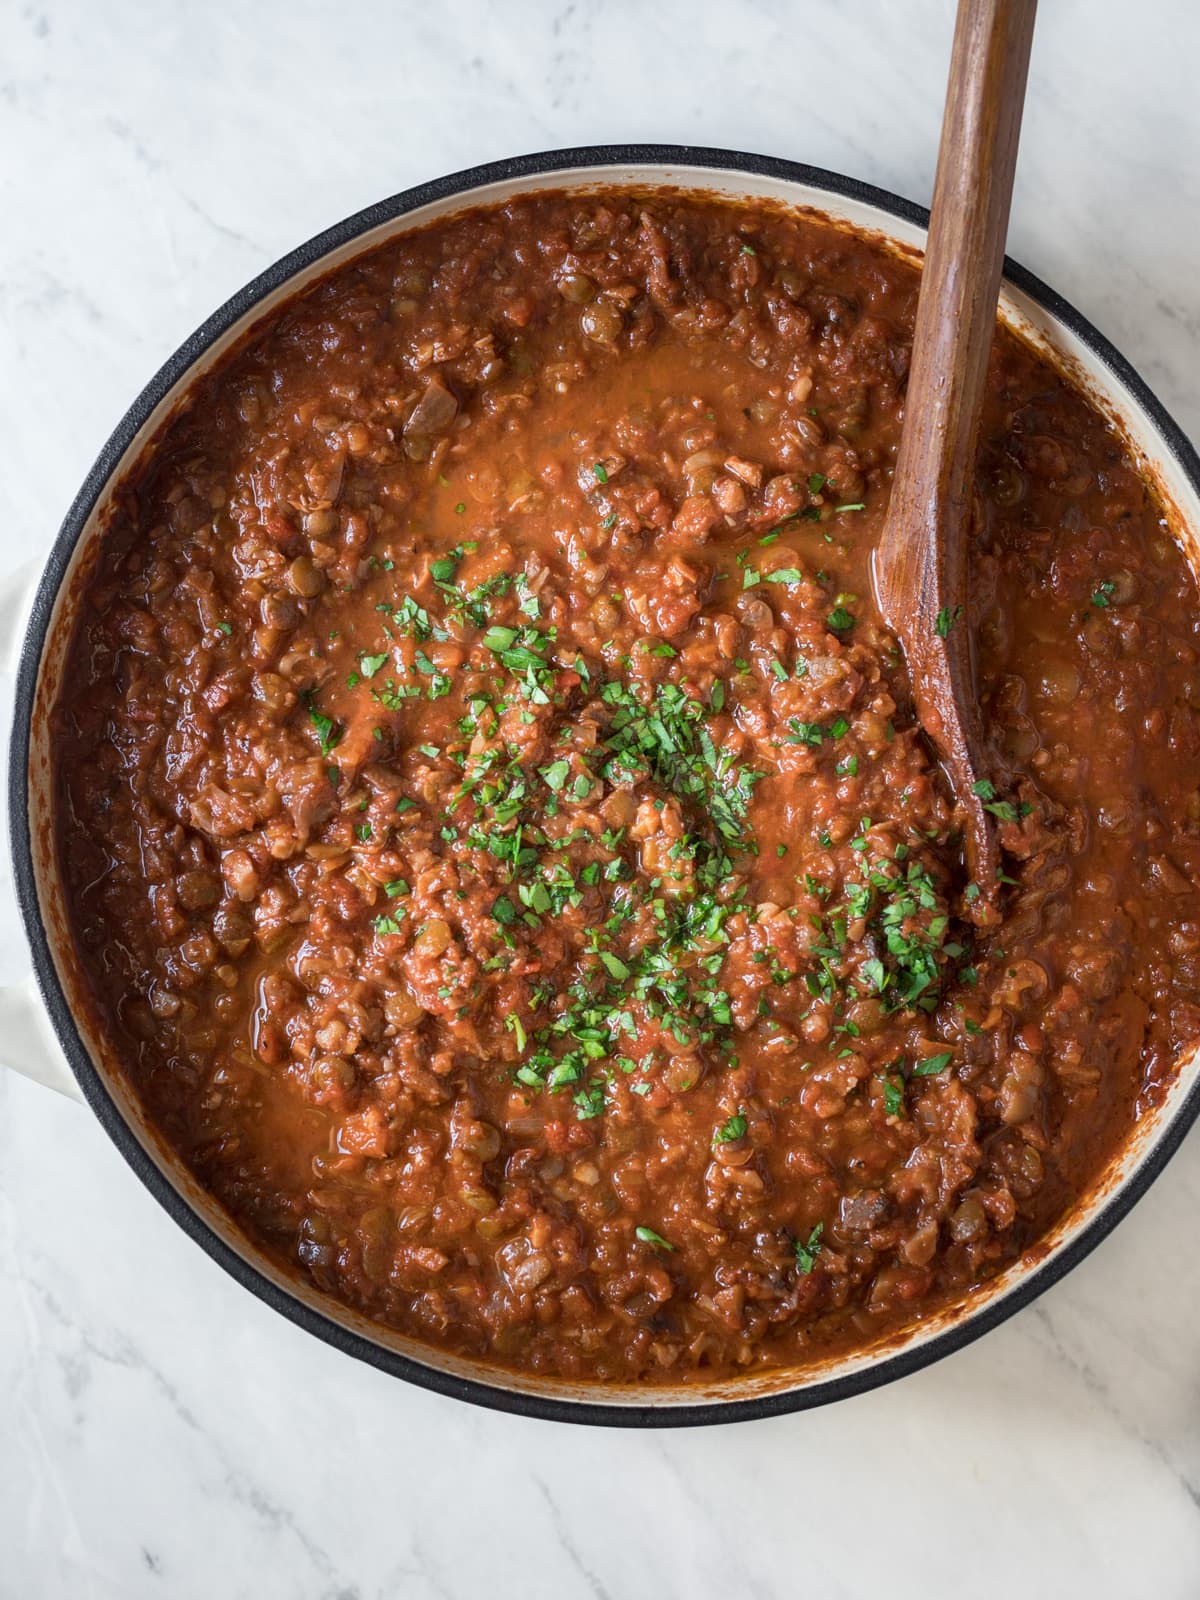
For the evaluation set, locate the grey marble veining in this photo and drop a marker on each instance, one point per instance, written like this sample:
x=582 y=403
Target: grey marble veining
x=163 y=1434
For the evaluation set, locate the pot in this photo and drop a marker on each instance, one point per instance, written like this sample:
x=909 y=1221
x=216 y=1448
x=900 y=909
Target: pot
x=49 y=1028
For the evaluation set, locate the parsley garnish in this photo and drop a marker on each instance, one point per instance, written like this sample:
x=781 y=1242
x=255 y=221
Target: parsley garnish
x=328 y=733
x=946 y=620
x=808 y=1250
x=648 y=1236
x=732 y=1130
x=931 y=1065
x=893 y=1094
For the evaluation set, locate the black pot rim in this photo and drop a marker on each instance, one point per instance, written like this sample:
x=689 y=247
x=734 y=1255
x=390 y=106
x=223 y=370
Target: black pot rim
x=494 y=1396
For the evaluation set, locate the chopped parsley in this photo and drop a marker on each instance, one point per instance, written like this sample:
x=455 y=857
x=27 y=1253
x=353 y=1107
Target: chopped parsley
x=808 y=1249
x=328 y=732
x=732 y=1130
x=648 y=1236
x=893 y=1093
x=930 y=1066
x=555 y=775
x=666 y=737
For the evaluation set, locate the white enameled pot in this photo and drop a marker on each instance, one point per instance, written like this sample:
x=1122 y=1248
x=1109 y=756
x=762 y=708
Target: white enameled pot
x=46 y=1027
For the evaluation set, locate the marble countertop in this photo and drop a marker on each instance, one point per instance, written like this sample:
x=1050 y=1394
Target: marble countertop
x=161 y=1432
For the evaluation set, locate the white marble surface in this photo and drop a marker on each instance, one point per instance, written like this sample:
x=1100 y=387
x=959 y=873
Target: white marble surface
x=163 y=1434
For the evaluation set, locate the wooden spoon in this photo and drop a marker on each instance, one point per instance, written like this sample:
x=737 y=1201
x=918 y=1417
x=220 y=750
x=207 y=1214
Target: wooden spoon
x=920 y=567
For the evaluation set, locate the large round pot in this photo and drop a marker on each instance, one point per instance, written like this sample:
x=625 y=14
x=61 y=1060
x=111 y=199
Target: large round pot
x=1041 y=315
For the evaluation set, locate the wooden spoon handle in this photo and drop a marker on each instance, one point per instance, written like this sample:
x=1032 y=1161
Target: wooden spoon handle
x=920 y=568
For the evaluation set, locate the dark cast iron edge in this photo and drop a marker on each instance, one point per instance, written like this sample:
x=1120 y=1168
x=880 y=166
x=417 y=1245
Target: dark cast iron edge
x=887 y=1369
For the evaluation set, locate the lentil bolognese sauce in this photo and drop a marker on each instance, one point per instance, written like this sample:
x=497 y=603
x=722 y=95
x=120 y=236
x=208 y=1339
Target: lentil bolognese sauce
x=498 y=837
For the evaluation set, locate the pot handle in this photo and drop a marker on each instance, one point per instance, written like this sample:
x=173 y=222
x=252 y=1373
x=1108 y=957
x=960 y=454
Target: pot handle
x=27 y=1043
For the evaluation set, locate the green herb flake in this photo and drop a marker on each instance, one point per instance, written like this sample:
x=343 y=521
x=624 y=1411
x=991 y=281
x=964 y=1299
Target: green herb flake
x=613 y=965
x=946 y=620
x=893 y=1094
x=648 y=1236
x=589 y=1102
x=1003 y=810
x=498 y=638
x=932 y=1065
x=808 y=1249
x=731 y=1131
x=555 y=775
x=328 y=733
